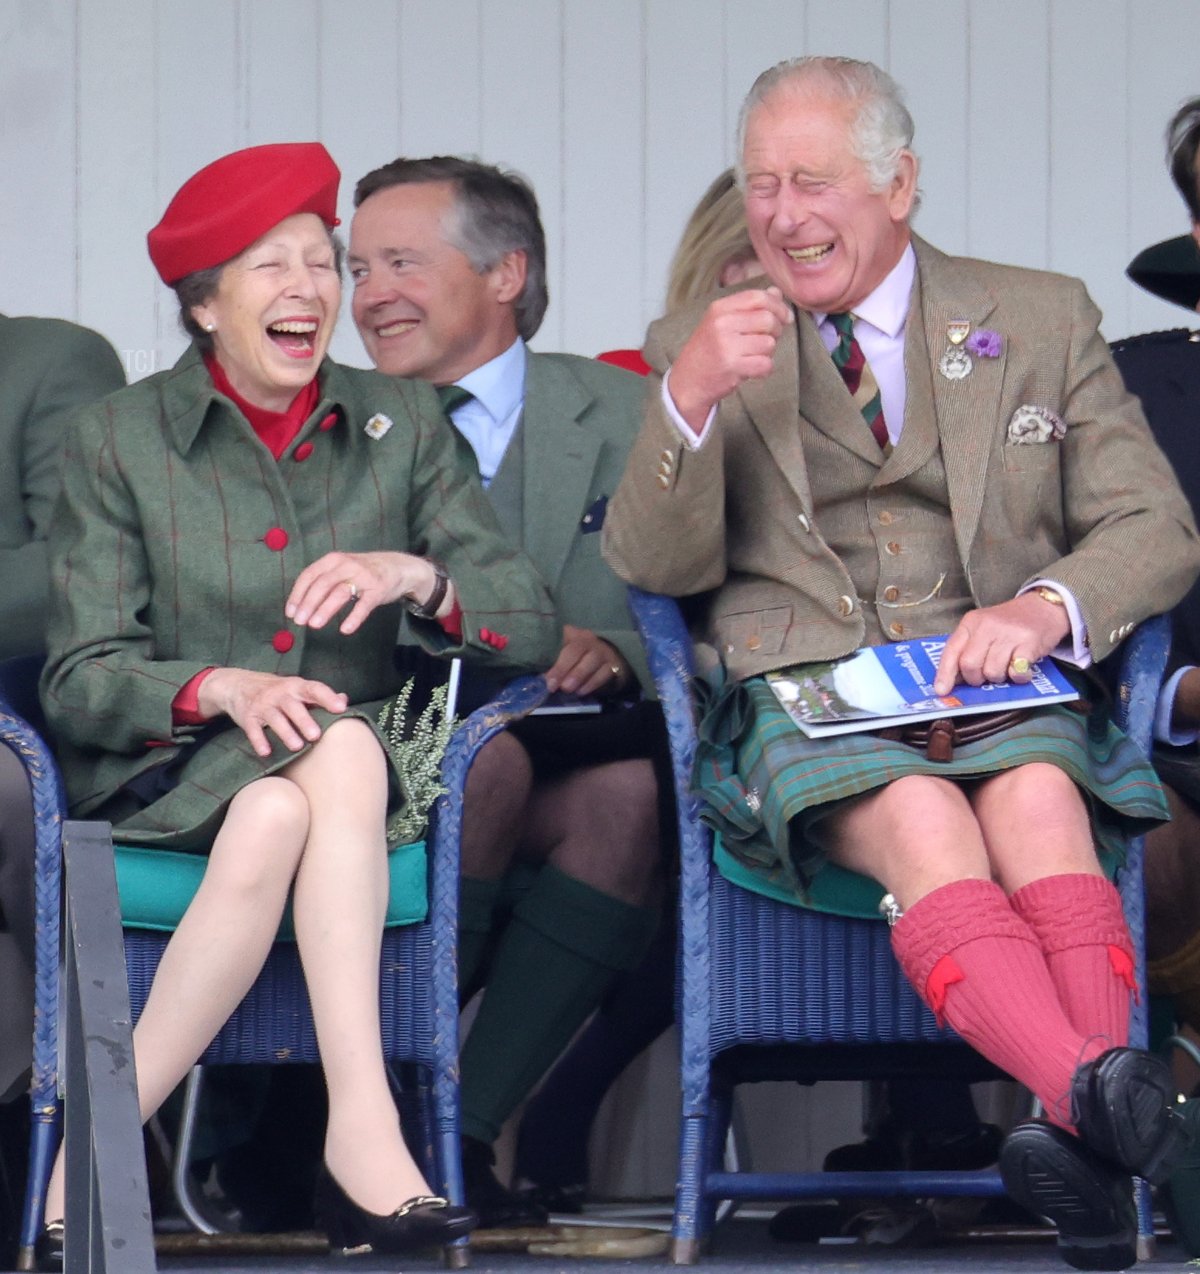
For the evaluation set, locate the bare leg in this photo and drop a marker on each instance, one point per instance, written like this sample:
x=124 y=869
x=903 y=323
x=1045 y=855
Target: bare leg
x=220 y=945
x=339 y=902
x=1035 y=824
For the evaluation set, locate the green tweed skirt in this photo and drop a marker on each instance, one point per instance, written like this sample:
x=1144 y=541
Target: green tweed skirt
x=766 y=787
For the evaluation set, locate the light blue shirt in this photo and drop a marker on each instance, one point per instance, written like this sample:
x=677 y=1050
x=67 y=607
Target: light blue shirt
x=489 y=420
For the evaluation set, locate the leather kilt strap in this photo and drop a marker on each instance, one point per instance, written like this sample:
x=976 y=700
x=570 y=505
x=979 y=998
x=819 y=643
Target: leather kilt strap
x=938 y=738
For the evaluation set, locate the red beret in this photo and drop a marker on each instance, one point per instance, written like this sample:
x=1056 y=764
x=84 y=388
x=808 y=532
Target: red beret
x=236 y=199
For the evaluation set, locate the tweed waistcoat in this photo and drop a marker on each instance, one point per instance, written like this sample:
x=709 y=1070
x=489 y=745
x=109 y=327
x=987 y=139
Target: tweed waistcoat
x=505 y=491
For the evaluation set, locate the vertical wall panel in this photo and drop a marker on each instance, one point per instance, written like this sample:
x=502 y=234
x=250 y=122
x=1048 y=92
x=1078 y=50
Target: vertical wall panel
x=117 y=199
x=522 y=127
x=1163 y=38
x=602 y=253
x=1087 y=120
x=686 y=125
x=1008 y=160
x=282 y=89
x=38 y=138
x=758 y=33
x=198 y=75
x=937 y=89
x=441 y=62
x=850 y=28
x=360 y=114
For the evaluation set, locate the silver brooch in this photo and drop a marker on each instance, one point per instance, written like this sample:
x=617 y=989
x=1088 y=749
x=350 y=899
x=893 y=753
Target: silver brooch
x=956 y=363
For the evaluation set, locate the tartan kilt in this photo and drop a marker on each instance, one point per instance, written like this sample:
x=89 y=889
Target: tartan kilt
x=766 y=787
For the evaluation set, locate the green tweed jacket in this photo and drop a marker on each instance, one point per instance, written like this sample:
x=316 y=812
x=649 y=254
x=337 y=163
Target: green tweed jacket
x=47 y=368
x=178 y=538
x=1093 y=505
x=580 y=420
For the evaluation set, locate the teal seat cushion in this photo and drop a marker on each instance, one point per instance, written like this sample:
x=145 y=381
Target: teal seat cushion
x=155 y=886
x=834 y=889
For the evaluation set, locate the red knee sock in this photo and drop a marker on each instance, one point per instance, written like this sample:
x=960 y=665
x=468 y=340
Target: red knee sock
x=1080 y=927
x=978 y=966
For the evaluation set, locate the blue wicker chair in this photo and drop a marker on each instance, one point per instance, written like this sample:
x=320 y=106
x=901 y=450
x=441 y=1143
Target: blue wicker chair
x=418 y=973
x=771 y=991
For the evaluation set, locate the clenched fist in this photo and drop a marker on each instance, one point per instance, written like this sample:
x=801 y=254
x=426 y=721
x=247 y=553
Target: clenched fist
x=735 y=342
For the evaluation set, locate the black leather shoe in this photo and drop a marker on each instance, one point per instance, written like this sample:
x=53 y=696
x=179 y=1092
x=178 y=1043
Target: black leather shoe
x=497 y=1207
x=1124 y=1106
x=48 y=1248
x=1054 y=1175
x=425 y=1221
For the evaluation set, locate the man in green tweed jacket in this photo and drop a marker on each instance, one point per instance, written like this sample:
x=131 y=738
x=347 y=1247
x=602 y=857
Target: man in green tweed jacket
x=891 y=443
x=561 y=858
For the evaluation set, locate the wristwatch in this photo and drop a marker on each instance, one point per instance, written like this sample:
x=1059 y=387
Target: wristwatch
x=428 y=609
x=1049 y=595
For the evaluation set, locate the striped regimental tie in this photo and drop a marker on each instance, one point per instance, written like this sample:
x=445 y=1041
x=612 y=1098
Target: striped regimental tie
x=860 y=381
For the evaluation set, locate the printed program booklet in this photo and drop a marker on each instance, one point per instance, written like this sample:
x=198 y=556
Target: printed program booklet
x=889 y=685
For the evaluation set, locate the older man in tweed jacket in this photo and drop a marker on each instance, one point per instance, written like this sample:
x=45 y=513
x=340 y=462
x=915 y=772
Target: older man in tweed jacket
x=986 y=475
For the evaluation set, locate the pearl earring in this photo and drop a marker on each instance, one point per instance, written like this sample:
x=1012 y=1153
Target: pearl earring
x=210 y=327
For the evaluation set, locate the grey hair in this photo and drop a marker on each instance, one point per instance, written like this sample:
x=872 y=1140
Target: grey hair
x=201 y=286
x=1183 y=144
x=495 y=213
x=882 y=128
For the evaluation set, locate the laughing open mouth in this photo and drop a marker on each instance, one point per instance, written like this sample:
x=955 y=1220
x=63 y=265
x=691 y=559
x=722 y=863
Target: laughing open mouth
x=296 y=337
x=818 y=252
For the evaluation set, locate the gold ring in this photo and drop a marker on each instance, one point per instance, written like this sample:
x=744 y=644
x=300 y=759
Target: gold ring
x=1019 y=665
x=353 y=587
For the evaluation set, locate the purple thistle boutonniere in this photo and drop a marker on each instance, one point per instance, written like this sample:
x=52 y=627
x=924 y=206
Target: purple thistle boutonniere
x=984 y=343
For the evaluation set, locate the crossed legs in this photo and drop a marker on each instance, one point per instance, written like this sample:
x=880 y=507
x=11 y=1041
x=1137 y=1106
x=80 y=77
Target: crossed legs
x=318 y=823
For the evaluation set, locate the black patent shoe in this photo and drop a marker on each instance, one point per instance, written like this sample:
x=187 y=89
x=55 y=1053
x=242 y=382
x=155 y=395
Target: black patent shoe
x=1124 y=1105
x=425 y=1221
x=497 y=1207
x=48 y=1248
x=1053 y=1174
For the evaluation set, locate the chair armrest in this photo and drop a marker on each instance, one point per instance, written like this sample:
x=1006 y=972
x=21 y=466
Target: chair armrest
x=516 y=700
x=1143 y=660
x=18 y=678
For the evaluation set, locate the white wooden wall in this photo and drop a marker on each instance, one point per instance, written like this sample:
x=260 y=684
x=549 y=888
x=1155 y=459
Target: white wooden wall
x=1039 y=123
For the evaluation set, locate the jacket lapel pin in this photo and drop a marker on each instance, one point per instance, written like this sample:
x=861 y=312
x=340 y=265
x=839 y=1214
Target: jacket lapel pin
x=956 y=363
x=377 y=426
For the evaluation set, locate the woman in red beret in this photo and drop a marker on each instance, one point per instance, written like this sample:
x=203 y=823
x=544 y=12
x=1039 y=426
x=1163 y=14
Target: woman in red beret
x=238 y=541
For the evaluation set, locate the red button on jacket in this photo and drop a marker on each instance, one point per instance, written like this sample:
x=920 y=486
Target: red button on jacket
x=304 y=450
x=328 y=423
x=283 y=641
x=276 y=539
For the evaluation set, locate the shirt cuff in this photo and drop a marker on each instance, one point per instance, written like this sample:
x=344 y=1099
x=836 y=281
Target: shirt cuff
x=1164 y=732
x=693 y=440
x=185 y=707
x=1075 y=651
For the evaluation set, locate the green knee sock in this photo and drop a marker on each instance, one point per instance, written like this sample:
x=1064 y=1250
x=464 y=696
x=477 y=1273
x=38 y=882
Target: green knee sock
x=476 y=907
x=561 y=949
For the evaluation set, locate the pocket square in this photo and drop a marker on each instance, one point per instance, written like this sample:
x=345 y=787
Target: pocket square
x=593 y=519
x=1035 y=424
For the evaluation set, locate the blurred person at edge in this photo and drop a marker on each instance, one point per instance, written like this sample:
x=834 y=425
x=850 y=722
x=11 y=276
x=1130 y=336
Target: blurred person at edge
x=1163 y=369
x=48 y=367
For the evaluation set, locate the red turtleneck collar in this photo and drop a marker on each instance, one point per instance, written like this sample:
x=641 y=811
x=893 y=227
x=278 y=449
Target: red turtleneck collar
x=276 y=429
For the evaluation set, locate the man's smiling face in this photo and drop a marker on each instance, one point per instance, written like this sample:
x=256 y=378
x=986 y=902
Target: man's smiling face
x=823 y=235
